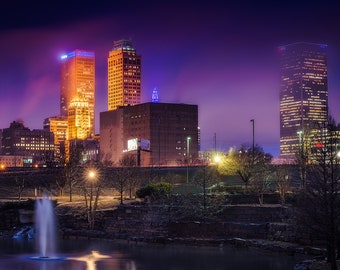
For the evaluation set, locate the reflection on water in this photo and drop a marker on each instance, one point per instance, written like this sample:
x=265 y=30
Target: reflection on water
x=105 y=255
x=90 y=259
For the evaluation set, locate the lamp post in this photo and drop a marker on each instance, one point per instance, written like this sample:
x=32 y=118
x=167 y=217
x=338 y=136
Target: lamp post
x=302 y=160
x=91 y=207
x=188 y=156
x=253 y=148
x=91 y=176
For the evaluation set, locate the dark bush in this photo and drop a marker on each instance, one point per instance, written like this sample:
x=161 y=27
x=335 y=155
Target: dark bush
x=155 y=190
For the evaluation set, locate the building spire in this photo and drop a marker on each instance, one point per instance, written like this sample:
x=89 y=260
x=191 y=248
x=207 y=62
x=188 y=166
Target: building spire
x=154 y=97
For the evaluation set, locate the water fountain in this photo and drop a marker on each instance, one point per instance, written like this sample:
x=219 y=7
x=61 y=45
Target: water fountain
x=45 y=228
x=45 y=235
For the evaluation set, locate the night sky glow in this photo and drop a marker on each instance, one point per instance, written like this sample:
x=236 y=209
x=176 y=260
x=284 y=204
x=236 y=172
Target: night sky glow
x=219 y=55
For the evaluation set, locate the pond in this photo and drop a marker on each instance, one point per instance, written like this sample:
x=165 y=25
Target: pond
x=21 y=254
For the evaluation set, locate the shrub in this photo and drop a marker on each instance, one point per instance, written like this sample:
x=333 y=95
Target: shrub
x=155 y=190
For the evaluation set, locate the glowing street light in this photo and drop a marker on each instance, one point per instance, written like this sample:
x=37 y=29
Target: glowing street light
x=188 y=146
x=91 y=198
x=92 y=175
x=217 y=159
x=188 y=156
x=338 y=154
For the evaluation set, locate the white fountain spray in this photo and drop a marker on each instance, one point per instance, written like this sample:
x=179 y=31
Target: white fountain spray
x=45 y=227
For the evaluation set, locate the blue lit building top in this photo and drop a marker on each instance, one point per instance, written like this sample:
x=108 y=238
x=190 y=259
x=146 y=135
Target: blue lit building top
x=77 y=53
x=302 y=44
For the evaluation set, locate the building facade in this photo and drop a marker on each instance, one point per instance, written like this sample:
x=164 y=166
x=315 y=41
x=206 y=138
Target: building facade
x=303 y=94
x=58 y=126
x=15 y=161
x=79 y=119
x=124 y=75
x=78 y=80
x=19 y=140
x=158 y=134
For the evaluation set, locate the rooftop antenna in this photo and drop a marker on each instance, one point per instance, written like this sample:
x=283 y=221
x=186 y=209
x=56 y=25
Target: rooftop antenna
x=154 y=97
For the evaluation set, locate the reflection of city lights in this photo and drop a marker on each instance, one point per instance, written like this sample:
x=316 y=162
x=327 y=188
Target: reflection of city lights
x=90 y=259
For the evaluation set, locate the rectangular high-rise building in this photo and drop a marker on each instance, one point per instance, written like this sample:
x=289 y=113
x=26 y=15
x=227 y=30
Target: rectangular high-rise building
x=303 y=94
x=124 y=75
x=78 y=82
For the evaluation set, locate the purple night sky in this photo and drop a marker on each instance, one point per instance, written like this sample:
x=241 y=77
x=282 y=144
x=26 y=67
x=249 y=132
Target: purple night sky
x=220 y=56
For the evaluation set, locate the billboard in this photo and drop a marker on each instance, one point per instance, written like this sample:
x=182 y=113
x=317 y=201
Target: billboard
x=145 y=144
x=132 y=144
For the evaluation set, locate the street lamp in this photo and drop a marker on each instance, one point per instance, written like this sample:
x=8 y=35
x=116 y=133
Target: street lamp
x=91 y=202
x=188 y=156
x=217 y=159
x=253 y=148
x=92 y=175
x=338 y=154
x=92 y=179
x=299 y=133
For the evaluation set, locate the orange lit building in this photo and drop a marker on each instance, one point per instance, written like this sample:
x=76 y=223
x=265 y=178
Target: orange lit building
x=58 y=126
x=79 y=119
x=124 y=75
x=78 y=80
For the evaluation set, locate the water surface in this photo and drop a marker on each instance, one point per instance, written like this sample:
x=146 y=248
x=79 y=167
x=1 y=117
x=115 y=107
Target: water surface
x=19 y=254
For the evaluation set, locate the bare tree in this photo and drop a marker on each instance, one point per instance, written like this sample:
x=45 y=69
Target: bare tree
x=245 y=162
x=282 y=179
x=72 y=169
x=260 y=182
x=20 y=182
x=319 y=204
x=91 y=184
x=204 y=178
x=123 y=177
x=61 y=182
x=303 y=157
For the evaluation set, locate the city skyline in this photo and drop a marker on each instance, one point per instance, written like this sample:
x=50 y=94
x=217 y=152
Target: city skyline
x=221 y=56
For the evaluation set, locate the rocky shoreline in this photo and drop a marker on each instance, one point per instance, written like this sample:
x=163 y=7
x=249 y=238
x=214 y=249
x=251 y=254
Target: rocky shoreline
x=314 y=256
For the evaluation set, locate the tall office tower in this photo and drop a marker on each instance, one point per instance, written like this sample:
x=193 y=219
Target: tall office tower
x=303 y=94
x=78 y=79
x=79 y=118
x=124 y=75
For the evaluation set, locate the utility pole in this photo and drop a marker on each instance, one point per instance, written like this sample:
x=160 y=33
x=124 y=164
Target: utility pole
x=188 y=157
x=253 y=148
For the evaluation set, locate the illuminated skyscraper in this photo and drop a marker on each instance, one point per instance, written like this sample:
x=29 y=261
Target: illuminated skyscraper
x=78 y=79
x=79 y=118
x=303 y=94
x=58 y=126
x=124 y=75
